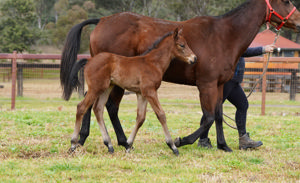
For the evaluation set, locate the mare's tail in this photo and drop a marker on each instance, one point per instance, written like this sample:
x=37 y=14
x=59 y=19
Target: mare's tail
x=69 y=55
x=73 y=82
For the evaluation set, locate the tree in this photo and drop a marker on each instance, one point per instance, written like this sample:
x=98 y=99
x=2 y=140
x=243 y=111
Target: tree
x=65 y=23
x=17 y=26
x=43 y=11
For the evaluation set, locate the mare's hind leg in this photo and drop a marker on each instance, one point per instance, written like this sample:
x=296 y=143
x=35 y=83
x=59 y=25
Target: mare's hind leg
x=141 y=114
x=82 y=107
x=98 y=110
x=112 y=106
x=153 y=100
x=85 y=127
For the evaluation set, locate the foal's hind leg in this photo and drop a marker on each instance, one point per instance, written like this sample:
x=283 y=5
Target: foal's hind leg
x=98 y=110
x=81 y=109
x=153 y=100
x=141 y=114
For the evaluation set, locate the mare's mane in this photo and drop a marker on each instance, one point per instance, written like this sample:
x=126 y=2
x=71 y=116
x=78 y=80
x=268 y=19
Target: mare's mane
x=241 y=7
x=156 y=43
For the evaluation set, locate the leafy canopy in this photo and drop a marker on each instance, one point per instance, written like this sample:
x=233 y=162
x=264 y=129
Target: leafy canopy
x=17 y=26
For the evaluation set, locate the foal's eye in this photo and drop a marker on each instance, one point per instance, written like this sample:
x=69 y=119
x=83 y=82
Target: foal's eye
x=182 y=45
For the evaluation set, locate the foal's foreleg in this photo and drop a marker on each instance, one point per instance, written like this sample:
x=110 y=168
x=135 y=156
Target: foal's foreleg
x=81 y=109
x=153 y=100
x=98 y=110
x=141 y=115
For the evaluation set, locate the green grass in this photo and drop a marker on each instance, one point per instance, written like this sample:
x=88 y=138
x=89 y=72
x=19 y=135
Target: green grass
x=34 y=141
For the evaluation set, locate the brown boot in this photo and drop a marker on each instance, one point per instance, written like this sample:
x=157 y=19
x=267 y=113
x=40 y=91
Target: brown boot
x=205 y=143
x=246 y=142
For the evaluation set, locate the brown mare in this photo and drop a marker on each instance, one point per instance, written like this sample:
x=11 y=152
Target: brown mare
x=140 y=74
x=218 y=42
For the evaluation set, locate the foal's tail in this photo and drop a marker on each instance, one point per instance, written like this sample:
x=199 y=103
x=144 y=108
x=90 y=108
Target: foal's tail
x=73 y=82
x=69 y=54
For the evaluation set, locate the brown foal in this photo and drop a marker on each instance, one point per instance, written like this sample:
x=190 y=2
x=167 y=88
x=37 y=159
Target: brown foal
x=140 y=74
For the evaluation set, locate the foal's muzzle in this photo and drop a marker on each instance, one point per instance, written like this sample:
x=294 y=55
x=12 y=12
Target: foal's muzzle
x=192 y=59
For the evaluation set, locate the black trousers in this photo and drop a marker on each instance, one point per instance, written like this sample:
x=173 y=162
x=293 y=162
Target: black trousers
x=234 y=93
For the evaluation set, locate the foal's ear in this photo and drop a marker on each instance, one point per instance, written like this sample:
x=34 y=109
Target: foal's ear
x=177 y=32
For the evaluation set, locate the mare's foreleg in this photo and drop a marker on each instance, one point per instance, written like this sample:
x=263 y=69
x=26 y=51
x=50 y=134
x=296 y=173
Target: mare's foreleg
x=221 y=143
x=112 y=107
x=160 y=114
x=82 y=107
x=207 y=121
x=141 y=115
x=98 y=110
x=208 y=100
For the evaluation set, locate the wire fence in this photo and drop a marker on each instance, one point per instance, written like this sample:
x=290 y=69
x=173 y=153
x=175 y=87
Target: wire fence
x=41 y=79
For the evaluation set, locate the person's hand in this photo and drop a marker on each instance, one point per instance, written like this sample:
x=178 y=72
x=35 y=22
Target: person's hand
x=269 y=48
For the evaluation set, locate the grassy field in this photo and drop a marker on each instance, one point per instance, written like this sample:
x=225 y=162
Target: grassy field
x=34 y=142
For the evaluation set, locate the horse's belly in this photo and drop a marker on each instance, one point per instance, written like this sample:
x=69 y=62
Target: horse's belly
x=131 y=86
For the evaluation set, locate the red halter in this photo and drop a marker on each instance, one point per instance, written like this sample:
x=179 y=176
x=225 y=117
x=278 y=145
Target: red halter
x=283 y=20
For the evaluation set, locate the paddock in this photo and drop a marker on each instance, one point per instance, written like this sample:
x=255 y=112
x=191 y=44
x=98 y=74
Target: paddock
x=37 y=133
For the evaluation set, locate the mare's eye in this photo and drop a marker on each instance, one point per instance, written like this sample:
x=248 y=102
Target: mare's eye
x=182 y=45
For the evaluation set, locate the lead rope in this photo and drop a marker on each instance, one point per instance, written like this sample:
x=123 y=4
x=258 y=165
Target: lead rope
x=253 y=88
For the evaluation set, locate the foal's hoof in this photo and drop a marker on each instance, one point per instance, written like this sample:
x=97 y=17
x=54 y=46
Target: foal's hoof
x=111 y=150
x=224 y=148
x=73 y=148
x=176 y=152
x=177 y=142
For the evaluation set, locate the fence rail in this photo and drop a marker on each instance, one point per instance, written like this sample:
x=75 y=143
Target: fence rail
x=252 y=74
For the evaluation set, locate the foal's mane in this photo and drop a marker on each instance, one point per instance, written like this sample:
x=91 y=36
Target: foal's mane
x=156 y=43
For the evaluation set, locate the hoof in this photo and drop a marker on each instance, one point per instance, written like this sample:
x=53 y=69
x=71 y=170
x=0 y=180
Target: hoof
x=205 y=143
x=129 y=149
x=177 y=142
x=124 y=144
x=73 y=148
x=225 y=148
x=176 y=152
x=111 y=150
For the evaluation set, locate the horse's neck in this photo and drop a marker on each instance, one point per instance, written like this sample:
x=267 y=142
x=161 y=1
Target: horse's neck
x=245 y=22
x=161 y=56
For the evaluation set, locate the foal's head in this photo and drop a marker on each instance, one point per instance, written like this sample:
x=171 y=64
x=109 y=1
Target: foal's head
x=181 y=50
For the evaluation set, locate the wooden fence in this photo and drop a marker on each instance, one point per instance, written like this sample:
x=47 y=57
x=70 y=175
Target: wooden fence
x=291 y=73
x=14 y=56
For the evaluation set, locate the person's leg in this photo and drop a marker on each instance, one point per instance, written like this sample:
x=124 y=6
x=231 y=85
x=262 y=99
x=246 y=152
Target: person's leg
x=238 y=98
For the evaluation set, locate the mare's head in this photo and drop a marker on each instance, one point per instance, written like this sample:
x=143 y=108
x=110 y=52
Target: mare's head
x=181 y=50
x=284 y=14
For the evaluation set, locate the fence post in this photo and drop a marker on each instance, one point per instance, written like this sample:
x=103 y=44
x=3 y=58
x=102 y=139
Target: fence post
x=20 y=81
x=13 y=79
x=293 y=87
x=264 y=86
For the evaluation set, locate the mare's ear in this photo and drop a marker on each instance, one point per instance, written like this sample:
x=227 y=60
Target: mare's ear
x=175 y=34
